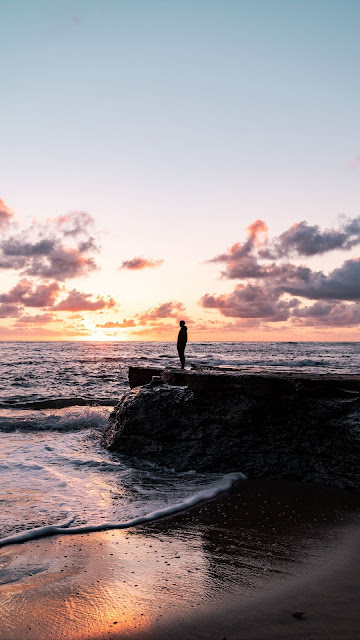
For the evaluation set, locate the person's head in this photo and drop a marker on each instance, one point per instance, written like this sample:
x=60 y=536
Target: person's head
x=182 y=323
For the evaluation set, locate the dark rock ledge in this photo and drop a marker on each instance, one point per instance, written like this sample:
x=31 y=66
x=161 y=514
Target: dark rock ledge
x=273 y=425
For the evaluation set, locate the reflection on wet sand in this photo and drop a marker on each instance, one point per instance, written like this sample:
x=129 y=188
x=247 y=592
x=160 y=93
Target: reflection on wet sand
x=82 y=586
x=125 y=583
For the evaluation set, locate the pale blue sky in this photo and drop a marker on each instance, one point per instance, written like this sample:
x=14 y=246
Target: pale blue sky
x=176 y=124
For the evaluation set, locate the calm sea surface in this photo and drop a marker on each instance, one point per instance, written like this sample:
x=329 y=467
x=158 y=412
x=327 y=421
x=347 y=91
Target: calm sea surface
x=56 y=397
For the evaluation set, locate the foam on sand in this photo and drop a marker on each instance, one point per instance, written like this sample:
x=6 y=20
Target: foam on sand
x=222 y=485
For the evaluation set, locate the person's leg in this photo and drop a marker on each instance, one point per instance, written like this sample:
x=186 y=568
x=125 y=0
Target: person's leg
x=183 y=358
x=181 y=353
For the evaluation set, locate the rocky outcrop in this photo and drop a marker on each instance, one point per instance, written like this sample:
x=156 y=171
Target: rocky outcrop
x=275 y=426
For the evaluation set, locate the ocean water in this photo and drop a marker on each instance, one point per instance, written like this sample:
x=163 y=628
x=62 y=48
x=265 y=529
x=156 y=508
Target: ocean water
x=56 y=397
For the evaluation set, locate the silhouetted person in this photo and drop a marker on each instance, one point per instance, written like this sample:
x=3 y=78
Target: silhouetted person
x=181 y=342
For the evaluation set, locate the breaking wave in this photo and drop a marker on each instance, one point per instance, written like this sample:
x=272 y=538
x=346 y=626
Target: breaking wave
x=222 y=485
x=70 y=418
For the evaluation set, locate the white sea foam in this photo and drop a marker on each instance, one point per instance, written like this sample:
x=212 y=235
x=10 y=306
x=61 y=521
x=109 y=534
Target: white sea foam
x=64 y=419
x=222 y=485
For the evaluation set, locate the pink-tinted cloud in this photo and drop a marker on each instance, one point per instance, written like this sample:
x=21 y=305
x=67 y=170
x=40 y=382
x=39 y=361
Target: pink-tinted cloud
x=301 y=239
x=117 y=325
x=62 y=263
x=30 y=295
x=258 y=232
x=267 y=288
x=40 y=318
x=79 y=301
x=9 y=310
x=170 y=309
x=139 y=263
x=62 y=248
x=251 y=301
x=241 y=250
x=308 y=240
x=5 y=215
x=342 y=283
x=74 y=223
x=355 y=163
x=333 y=314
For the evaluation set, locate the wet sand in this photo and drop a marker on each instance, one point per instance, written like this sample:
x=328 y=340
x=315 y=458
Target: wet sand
x=236 y=568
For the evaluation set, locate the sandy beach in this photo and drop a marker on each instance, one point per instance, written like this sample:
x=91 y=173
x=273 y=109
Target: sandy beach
x=236 y=567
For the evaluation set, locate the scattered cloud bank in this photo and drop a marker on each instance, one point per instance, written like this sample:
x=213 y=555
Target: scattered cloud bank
x=45 y=256
x=138 y=263
x=273 y=289
x=274 y=284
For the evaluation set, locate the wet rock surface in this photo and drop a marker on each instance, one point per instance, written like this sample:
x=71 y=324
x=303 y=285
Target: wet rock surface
x=268 y=426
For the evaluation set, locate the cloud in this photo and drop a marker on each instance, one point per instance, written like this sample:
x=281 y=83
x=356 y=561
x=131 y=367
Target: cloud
x=30 y=295
x=42 y=318
x=138 y=263
x=5 y=215
x=117 y=325
x=62 y=263
x=270 y=283
x=342 y=283
x=328 y=315
x=62 y=248
x=9 y=311
x=74 y=223
x=171 y=309
x=256 y=230
x=301 y=239
x=308 y=240
x=241 y=250
x=268 y=298
x=251 y=301
x=78 y=301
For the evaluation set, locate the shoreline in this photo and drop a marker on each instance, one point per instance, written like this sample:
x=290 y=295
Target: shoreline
x=237 y=566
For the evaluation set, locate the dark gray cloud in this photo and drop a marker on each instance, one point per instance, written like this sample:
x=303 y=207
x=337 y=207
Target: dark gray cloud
x=251 y=301
x=303 y=239
x=9 y=310
x=242 y=260
x=269 y=298
x=270 y=281
x=342 y=283
x=31 y=295
x=61 y=249
x=17 y=246
x=63 y=263
x=320 y=314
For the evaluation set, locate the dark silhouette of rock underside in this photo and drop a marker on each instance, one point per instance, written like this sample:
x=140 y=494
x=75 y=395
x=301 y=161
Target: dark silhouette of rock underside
x=281 y=425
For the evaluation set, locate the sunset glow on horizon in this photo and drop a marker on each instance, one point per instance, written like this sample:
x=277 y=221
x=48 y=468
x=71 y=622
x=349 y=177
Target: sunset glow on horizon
x=165 y=161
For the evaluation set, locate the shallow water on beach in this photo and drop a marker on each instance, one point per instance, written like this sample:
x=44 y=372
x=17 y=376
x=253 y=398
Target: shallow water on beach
x=120 y=584
x=55 y=398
